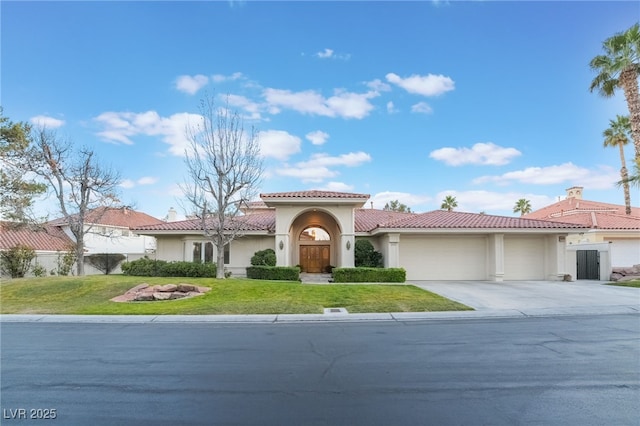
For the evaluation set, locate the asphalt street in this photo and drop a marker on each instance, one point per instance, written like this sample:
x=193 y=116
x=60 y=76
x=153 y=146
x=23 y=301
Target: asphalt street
x=554 y=370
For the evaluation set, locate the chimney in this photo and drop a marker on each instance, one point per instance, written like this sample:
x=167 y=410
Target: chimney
x=172 y=215
x=575 y=192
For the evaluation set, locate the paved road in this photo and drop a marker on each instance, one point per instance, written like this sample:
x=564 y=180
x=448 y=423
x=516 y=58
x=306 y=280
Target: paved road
x=565 y=370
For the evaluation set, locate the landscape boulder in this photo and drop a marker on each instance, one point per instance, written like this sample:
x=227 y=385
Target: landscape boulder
x=146 y=293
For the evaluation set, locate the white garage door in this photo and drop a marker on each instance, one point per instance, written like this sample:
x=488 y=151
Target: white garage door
x=523 y=258
x=444 y=258
x=625 y=253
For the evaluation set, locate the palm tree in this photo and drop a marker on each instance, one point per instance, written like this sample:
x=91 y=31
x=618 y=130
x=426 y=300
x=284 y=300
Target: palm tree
x=616 y=135
x=618 y=68
x=449 y=203
x=522 y=206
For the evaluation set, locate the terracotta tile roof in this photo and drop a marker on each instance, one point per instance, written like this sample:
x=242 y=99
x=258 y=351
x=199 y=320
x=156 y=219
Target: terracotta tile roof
x=368 y=219
x=51 y=238
x=441 y=219
x=121 y=217
x=313 y=194
x=591 y=214
x=258 y=221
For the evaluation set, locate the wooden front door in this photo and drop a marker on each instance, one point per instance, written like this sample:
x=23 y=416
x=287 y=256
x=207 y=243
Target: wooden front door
x=314 y=259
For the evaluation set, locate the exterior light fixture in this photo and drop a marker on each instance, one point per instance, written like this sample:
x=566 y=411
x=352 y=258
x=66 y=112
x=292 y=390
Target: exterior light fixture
x=281 y=245
x=348 y=245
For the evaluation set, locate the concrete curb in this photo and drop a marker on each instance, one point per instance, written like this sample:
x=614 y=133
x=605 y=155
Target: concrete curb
x=340 y=317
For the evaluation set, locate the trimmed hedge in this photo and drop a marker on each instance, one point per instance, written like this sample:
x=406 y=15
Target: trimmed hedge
x=265 y=257
x=369 y=275
x=285 y=273
x=146 y=267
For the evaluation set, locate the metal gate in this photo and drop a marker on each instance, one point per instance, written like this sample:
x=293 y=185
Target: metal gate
x=588 y=265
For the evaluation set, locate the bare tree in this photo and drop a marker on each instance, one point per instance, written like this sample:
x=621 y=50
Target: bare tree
x=224 y=169
x=78 y=181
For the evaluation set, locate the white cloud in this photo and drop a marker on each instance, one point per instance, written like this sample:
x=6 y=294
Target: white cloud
x=120 y=127
x=319 y=166
x=426 y=85
x=351 y=159
x=308 y=174
x=127 y=183
x=46 y=121
x=604 y=177
x=252 y=108
x=421 y=108
x=278 y=144
x=486 y=154
x=191 y=84
x=317 y=137
x=326 y=53
x=330 y=54
x=488 y=201
x=341 y=104
x=378 y=85
x=391 y=108
x=337 y=187
x=147 y=180
x=220 y=78
x=410 y=200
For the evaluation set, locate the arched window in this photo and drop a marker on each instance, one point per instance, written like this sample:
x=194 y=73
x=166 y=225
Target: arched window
x=314 y=233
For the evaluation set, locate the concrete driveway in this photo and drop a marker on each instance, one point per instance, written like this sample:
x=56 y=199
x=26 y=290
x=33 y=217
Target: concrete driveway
x=534 y=295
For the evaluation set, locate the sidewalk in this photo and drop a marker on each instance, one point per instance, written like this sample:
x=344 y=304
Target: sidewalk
x=329 y=317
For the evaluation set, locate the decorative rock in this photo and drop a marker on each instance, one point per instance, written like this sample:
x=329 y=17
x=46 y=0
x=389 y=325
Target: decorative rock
x=186 y=288
x=145 y=293
x=178 y=295
x=167 y=287
x=143 y=297
x=138 y=288
x=161 y=296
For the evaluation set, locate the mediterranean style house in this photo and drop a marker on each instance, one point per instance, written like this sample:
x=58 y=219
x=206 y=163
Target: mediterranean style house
x=109 y=231
x=611 y=240
x=318 y=229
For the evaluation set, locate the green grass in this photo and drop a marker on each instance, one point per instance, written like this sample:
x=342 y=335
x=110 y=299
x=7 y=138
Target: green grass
x=92 y=294
x=632 y=283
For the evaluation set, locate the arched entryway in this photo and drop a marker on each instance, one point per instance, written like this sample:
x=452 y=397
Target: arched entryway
x=315 y=250
x=314 y=234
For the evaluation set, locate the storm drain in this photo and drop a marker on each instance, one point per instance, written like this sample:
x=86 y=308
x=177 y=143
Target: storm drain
x=330 y=311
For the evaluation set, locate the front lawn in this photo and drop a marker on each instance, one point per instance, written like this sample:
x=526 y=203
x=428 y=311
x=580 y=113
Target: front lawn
x=92 y=294
x=632 y=283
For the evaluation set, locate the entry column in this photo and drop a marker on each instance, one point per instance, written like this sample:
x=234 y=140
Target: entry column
x=347 y=245
x=496 y=257
x=282 y=250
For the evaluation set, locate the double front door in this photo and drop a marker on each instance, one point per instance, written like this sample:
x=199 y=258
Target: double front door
x=314 y=259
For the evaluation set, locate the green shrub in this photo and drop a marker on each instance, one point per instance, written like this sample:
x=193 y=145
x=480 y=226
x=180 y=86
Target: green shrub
x=143 y=267
x=369 y=275
x=38 y=270
x=146 y=267
x=16 y=261
x=285 y=273
x=66 y=261
x=265 y=257
x=365 y=255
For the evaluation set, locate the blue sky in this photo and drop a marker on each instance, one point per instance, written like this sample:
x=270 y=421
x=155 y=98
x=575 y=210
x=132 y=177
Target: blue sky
x=486 y=101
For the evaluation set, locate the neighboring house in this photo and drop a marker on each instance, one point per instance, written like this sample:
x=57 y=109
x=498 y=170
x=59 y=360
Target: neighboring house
x=109 y=231
x=50 y=243
x=612 y=239
x=316 y=229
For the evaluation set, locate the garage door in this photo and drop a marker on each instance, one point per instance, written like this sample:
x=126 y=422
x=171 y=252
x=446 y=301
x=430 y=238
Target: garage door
x=625 y=253
x=445 y=258
x=524 y=258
